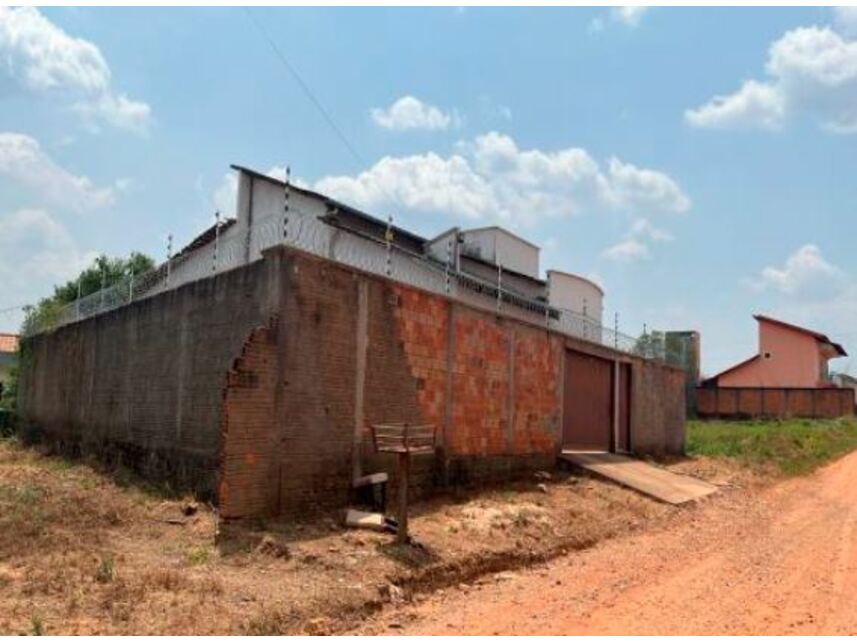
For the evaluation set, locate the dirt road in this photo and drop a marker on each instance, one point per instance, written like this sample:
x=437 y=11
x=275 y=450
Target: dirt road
x=782 y=561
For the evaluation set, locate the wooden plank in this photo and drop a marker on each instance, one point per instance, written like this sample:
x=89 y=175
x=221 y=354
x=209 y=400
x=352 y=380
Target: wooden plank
x=657 y=482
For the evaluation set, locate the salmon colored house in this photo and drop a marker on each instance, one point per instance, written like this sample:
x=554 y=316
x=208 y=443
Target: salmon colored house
x=789 y=357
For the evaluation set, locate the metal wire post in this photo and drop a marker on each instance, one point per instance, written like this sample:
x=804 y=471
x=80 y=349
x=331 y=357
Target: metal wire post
x=77 y=303
x=388 y=240
x=216 y=240
x=499 y=286
x=616 y=330
x=547 y=302
x=448 y=263
x=103 y=286
x=288 y=194
x=169 y=258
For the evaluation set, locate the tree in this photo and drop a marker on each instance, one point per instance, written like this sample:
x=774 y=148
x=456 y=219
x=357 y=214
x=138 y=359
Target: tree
x=104 y=272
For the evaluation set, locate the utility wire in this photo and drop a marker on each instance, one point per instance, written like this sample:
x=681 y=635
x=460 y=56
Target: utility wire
x=304 y=87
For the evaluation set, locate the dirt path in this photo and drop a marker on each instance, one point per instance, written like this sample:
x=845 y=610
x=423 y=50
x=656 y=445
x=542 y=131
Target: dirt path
x=783 y=561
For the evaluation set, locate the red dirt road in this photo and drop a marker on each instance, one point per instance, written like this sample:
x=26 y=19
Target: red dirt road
x=780 y=561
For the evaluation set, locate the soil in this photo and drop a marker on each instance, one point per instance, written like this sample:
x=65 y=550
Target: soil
x=84 y=551
x=780 y=560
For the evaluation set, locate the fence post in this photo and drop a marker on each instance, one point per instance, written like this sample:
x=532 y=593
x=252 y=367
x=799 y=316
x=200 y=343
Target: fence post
x=103 y=286
x=448 y=263
x=388 y=240
x=77 y=303
x=169 y=257
x=216 y=240
x=616 y=330
x=288 y=192
x=548 y=301
x=499 y=286
x=585 y=318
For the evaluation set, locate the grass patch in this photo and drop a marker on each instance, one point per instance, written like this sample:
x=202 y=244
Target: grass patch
x=794 y=447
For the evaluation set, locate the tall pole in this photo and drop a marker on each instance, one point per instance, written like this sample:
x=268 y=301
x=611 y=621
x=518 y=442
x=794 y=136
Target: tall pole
x=616 y=330
x=79 y=278
x=499 y=286
x=169 y=257
x=216 y=240
x=288 y=195
x=103 y=286
x=388 y=240
x=448 y=263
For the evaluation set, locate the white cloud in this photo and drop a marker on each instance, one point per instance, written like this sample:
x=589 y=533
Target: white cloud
x=118 y=111
x=811 y=71
x=38 y=247
x=630 y=16
x=23 y=160
x=806 y=274
x=846 y=20
x=491 y=178
x=36 y=244
x=636 y=244
x=643 y=228
x=627 y=251
x=39 y=57
x=411 y=113
x=754 y=105
x=627 y=16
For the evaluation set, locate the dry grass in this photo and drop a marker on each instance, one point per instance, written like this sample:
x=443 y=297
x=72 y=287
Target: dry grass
x=84 y=553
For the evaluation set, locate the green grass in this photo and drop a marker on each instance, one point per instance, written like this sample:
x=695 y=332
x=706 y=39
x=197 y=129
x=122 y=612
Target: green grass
x=794 y=447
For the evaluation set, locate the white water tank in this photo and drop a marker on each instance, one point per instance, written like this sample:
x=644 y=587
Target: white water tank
x=575 y=293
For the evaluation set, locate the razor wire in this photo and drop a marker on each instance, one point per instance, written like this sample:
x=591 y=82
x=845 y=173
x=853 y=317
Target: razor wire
x=302 y=230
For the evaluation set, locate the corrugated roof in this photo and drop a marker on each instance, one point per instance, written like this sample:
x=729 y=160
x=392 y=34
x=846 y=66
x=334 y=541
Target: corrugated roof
x=8 y=343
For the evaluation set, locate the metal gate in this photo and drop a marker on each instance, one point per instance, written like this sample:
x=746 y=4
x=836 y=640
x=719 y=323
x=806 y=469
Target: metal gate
x=587 y=403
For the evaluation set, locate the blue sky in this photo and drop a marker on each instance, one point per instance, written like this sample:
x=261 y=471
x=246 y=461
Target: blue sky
x=597 y=133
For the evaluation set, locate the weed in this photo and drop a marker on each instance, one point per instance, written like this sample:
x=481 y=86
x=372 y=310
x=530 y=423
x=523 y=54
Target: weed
x=105 y=571
x=198 y=555
x=37 y=626
x=794 y=447
x=272 y=623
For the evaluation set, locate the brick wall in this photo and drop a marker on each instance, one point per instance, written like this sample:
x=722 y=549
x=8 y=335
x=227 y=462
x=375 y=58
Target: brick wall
x=272 y=373
x=743 y=403
x=143 y=384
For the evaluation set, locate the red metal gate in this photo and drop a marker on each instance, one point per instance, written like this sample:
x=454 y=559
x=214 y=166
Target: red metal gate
x=587 y=403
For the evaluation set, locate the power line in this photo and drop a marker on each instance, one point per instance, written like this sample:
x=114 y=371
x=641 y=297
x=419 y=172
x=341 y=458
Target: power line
x=305 y=88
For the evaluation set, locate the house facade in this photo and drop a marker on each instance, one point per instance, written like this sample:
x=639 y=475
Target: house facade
x=788 y=376
x=789 y=357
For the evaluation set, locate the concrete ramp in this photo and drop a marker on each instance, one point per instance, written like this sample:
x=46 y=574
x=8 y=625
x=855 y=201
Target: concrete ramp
x=651 y=480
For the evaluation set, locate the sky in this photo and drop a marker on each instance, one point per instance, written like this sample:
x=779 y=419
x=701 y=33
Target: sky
x=697 y=163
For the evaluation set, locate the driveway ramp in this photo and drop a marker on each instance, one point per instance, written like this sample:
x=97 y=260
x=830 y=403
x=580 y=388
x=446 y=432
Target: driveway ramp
x=646 y=478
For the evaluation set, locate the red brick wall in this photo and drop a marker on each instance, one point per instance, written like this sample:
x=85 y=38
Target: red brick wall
x=774 y=402
x=480 y=382
x=537 y=416
x=248 y=431
x=490 y=384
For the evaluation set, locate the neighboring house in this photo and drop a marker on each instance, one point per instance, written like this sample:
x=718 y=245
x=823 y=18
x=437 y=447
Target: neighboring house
x=8 y=357
x=789 y=376
x=789 y=357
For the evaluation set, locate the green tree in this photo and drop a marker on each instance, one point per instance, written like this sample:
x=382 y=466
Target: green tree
x=104 y=272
